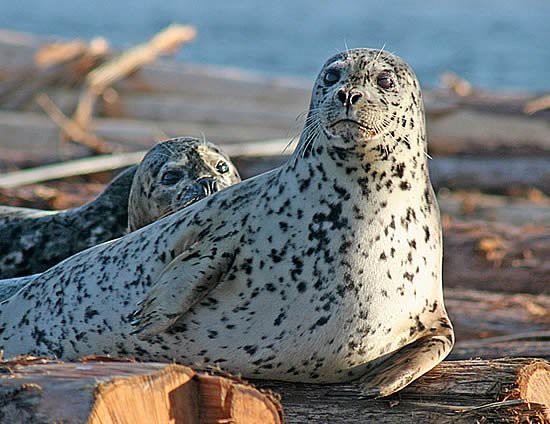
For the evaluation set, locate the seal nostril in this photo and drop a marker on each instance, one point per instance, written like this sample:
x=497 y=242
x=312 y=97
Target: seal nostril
x=214 y=186
x=342 y=96
x=355 y=97
x=209 y=186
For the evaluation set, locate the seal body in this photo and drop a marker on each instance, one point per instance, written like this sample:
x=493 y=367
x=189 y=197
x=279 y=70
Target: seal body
x=327 y=269
x=35 y=240
x=173 y=174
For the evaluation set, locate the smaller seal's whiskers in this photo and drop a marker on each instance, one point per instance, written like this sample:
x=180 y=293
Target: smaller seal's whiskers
x=167 y=147
x=203 y=138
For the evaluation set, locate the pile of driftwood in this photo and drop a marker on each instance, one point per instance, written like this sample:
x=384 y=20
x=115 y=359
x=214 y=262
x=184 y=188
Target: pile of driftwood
x=81 y=108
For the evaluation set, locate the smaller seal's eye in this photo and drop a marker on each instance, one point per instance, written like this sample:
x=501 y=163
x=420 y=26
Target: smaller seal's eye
x=222 y=167
x=171 y=177
x=385 y=81
x=332 y=76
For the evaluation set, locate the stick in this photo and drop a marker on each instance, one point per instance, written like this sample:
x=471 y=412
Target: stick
x=537 y=105
x=70 y=127
x=70 y=168
x=114 y=161
x=105 y=75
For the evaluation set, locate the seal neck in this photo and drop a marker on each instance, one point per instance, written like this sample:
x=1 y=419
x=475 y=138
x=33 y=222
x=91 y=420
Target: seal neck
x=398 y=153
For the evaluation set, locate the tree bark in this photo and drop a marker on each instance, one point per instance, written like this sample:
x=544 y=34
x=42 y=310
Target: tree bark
x=116 y=392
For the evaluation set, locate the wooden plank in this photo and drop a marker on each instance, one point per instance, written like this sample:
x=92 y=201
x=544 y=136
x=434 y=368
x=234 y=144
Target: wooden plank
x=462 y=131
x=505 y=390
x=491 y=174
x=206 y=108
x=38 y=136
x=469 y=132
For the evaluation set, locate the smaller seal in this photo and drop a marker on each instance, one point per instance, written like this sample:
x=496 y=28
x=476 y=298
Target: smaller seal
x=172 y=175
x=176 y=174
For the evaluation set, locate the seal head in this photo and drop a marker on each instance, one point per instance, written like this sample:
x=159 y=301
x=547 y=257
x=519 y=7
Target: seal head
x=172 y=175
x=365 y=101
x=175 y=174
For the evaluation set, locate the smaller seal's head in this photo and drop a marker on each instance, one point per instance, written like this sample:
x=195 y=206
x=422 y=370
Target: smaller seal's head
x=175 y=174
x=365 y=94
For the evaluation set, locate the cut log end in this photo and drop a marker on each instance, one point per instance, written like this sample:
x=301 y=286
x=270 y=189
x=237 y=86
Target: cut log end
x=534 y=384
x=167 y=396
x=127 y=392
x=179 y=395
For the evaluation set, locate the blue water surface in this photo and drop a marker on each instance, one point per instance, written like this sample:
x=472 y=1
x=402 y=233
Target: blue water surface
x=493 y=43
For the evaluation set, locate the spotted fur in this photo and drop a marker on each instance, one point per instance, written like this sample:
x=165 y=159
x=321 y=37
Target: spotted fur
x=34 y=240
x=327 y=269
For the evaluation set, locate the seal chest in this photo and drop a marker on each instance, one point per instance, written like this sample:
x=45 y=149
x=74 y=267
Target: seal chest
x=326 y=269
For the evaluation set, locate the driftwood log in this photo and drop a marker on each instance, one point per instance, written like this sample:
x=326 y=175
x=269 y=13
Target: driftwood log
x=532 y=345
x=499 y=391
x=534 y=208
x=66 y=63
x=504 y=390
x=164 y=94
x=98 y=80
x=116 y=392
x=492 y=256
x=479 y=314
x=109 y=162
x=37 y=139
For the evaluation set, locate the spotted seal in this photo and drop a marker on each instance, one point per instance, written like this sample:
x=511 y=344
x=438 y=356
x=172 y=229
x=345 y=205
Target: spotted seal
x=172 y=174
x=325 y=270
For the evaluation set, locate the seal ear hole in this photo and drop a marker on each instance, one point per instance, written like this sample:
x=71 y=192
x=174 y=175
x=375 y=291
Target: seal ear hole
x=171 y=177
x=386 y=80
x=222 y=167
x=331 y=77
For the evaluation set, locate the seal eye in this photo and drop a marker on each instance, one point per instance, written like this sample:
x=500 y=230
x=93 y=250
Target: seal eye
x=171 y=177
x=222 y=167
x=332 y=76
x=385 y=81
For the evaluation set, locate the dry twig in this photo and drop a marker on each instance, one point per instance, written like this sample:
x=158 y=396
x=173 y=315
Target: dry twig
x=71 y=128
x=107 y=74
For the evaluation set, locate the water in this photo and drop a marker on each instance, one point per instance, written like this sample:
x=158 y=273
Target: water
x=493 y=43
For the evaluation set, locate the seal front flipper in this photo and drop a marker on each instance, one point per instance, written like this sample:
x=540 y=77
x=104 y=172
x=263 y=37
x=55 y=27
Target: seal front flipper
x=184 y=282
x=402 y=367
